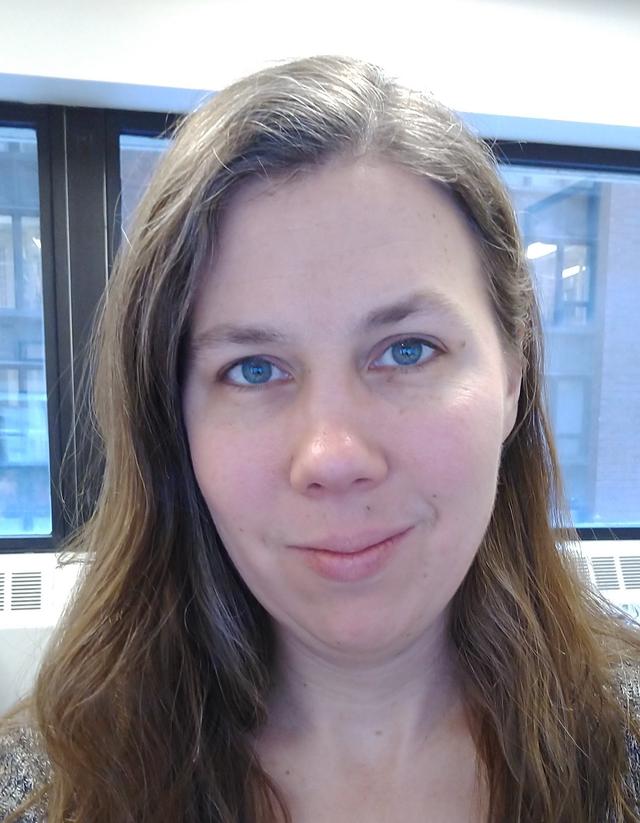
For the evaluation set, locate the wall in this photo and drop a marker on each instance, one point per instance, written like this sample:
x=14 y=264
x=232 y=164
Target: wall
x=569 y=60
x=20 y=653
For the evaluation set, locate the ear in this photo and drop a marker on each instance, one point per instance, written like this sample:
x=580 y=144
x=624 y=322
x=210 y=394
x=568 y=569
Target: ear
x=513 y=383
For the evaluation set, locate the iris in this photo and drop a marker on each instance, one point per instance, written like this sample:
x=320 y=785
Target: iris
x=407 y=352
x=256 y=370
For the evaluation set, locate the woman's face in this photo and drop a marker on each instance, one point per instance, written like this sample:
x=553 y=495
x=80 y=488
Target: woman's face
x=347 y=383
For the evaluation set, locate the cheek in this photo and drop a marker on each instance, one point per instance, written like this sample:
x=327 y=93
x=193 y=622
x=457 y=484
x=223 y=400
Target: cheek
x=236 y=473
x=454 y=447
x=235 y=482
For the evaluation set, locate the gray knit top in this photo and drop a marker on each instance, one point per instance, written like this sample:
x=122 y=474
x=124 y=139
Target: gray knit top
x=23 y=765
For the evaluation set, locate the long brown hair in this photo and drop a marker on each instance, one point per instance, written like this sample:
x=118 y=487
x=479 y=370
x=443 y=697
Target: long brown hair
x=157 y=675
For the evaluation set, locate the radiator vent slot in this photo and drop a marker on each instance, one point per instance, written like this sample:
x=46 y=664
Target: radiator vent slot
x=604 y=569
x=630 y=566
x=583 y=570
x=1 y=591
x=26 y=591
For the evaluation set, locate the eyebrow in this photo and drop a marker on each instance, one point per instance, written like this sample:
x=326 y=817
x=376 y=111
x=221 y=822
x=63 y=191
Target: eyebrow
x=416 y=303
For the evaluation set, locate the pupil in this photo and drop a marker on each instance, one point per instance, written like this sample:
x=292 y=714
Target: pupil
x=407 y=351
x=254 y=371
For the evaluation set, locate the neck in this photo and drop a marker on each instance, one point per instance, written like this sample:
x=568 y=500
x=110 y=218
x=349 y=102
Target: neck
x=369 y=709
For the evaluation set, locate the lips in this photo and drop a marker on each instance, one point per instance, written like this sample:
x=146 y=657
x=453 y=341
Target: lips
x=358 y=542
x=358 y=559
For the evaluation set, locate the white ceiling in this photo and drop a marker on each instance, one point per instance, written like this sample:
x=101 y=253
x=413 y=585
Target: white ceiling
x=571 y=60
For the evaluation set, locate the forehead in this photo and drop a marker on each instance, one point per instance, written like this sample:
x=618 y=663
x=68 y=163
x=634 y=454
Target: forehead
x=338 y=238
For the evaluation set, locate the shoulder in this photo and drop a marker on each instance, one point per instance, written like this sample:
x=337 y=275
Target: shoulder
x=628 y=681
x=628 y=684
x=23 y=768
x=628 y=676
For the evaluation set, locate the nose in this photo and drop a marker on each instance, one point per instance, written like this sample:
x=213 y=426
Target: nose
x=335 y=458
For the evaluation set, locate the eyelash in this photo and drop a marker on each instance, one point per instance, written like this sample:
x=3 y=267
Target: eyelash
x=428 y=344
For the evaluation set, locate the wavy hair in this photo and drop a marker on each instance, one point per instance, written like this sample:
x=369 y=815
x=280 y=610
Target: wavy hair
x=157 y=675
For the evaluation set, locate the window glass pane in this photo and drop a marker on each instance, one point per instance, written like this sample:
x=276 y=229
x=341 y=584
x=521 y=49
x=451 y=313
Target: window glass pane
x=582 y=234
x=138 y=158
x=25 y=496
x=7 y=275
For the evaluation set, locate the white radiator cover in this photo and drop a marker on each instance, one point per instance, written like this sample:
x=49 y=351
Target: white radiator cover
x=33 y=593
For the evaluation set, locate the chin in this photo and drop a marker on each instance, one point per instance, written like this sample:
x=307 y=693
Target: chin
x=365 y=635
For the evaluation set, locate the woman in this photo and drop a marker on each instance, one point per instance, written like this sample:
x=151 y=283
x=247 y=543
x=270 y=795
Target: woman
x=328 y=574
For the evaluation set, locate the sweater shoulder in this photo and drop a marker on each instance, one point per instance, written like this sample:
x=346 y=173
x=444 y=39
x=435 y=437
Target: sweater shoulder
x=24 y=767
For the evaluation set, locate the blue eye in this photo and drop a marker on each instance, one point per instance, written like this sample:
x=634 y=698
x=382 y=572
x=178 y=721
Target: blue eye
x=408 y=352
x=256 y=371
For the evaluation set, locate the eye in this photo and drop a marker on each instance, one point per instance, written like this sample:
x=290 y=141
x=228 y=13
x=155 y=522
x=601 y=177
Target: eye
x=252 y=371
x=409 y=353
x=404 y=355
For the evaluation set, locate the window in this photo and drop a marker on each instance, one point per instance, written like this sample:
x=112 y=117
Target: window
x=581 y=229
x=579 y=210
x=25 y=498
x=138 y=157
x=56 y=165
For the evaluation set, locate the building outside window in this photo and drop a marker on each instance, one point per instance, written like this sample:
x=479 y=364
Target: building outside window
x=25 y=502
x=582 y=234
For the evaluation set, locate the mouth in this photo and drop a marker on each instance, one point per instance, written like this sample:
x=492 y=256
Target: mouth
x=354 y=544
x=352 y=563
